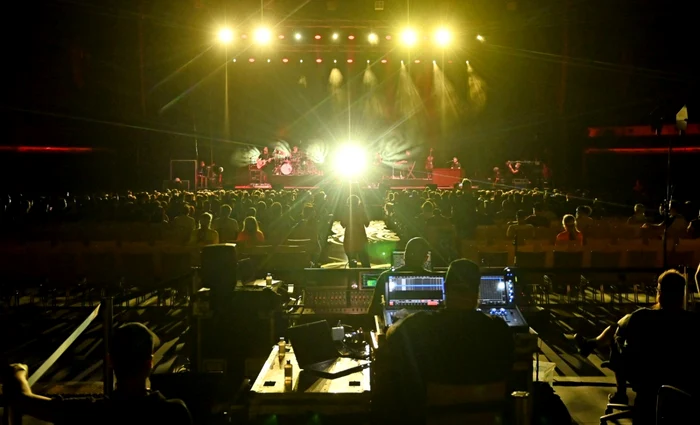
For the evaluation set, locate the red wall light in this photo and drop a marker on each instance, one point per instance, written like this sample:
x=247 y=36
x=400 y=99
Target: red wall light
x=281 y=36
x=416 y=61
x=351 y=37
x=317 y=36
x=319 y=60
x=350 y=60
x=384 y=61
x=251 y=60
x=285 y=60
x=388 y=37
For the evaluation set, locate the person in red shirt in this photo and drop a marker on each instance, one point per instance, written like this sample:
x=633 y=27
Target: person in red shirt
x=251 y=231
x=570 y=233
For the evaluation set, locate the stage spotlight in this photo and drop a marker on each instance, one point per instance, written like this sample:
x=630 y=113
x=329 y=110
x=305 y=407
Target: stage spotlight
x=285 y=60
x=297 y=36
x=281 y=36
x=225 y=36
x=409 y=37
x=350 y=60
x=351 y=37
x=335 y=60
x=335 y=36
x=480 y=38
x=416 y=61
x=367 y=60
x=351 y=160
x=384 y=61
x=317 y=36
x=443 y=37
x=319 y=60
x=251 y=60
x=269 y=60
x=263 y=36
x=388 y=37
x=234 y=60
x=301 y=60
x=373 y=38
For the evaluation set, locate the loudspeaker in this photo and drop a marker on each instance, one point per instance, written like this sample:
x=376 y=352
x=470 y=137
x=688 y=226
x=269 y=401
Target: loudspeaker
x=219 y=264
x=431 y=186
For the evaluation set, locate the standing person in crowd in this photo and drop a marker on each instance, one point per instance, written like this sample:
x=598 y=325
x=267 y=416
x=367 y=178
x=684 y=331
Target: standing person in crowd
x=639 y=217
x=354 y=220
x=133 y=402
x=251 y=232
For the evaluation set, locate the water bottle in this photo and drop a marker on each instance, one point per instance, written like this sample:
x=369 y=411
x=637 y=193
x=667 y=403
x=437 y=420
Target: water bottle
x=288 y=376
x=268 y=280
x=281 y=349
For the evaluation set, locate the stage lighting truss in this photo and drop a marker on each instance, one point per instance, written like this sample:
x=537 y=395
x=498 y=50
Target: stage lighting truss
x=371 y=61
x=410 y=38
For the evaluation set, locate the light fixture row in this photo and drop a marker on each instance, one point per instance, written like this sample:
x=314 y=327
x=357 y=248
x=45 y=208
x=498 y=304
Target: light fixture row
x=320 y=60
x=442 y=37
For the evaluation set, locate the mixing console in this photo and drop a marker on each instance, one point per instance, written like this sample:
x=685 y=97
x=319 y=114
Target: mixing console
x=337 y=301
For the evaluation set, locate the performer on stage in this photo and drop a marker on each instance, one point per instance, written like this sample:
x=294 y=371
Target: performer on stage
x=264 y=163
x=496 y=176
x=429 y=165
x=455 y=165
x=202 y=174
x=514 y=169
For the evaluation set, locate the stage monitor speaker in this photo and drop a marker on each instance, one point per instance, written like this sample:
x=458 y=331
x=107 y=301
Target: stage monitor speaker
x=431 y=186
x=277 y=186
x=219 y=266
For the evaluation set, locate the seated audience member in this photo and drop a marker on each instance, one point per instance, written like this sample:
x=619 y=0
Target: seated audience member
x=226 y=226
x=657 y=347
x=204 y=235
x=570 y=234
x=584 y=222
x=611 y=333
x=415 y=257
x=425 y=348
x=251 y=231
x=132 y=402
x=538 y=217
x=519 y=227
x=638 y=218
x=677 y=225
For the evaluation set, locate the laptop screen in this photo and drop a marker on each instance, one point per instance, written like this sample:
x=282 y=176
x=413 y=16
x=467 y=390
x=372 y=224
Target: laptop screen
x=369 y=280
x=493 y=290
x=398 y=260
x=312 y=342
x=415 y=291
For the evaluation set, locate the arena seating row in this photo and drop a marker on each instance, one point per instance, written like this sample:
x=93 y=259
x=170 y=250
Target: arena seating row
x=595 y=254
x=51 y=270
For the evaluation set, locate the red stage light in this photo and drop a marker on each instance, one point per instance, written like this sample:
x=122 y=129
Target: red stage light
x=384 y=61
x=251 y=60
x=350 y=61
x=417 y=61
x=319 y=60
x=317 y=36
x=388 y=37
x=285 y=60
x=351 y=37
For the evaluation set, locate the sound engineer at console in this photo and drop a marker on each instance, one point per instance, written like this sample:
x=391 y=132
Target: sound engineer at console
x=458 y=345
x=415 y=256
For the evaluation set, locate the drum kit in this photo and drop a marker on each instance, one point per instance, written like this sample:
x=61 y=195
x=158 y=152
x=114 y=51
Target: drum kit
x=295 y=164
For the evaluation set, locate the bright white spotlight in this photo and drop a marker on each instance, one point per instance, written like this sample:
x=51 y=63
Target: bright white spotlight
x=409 y=37
x=480 y=38
x=373 y=38
x=263 y=36
x=335 y=36
x=443 y=37
x=225 y=35
x=297 y=36
x=351 y=160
